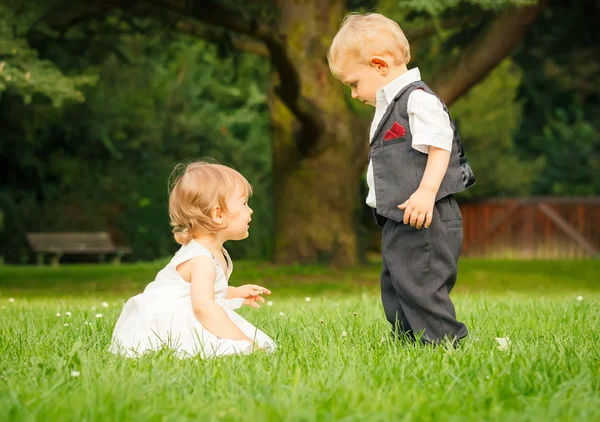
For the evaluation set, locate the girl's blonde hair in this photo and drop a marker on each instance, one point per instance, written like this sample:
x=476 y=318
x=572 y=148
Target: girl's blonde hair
x=366 y=35
x=196 y=189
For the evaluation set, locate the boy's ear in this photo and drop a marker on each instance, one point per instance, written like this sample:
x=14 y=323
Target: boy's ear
x=380 y=63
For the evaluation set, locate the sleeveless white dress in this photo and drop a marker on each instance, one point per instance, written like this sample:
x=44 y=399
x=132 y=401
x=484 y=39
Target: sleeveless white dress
x=162 y=316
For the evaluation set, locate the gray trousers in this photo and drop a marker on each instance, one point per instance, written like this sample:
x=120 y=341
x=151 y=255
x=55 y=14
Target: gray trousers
x=419 y=271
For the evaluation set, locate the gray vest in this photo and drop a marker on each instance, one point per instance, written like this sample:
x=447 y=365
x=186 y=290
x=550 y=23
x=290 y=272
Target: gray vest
x=398 y=168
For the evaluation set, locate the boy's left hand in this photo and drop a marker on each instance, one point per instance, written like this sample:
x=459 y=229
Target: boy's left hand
x=418 y=209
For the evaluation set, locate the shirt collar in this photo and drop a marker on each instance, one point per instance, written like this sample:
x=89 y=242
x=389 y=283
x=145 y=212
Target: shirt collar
x=390 y=91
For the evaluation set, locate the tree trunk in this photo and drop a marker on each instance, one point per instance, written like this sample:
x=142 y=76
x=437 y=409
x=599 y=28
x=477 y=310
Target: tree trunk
x=316 y=176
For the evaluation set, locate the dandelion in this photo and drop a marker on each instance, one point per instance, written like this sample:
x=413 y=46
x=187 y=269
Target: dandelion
x=307 y=299
x=270 y=303
x=75 y=374
x=86 y=323
x=104 y=304
x=11 y=299
x=503 y=343
x=66 y=324
x=58 y=314
x=281 y=314
x=344 y=334
x=355 y=314
x=99 y=315
x=68 y=313
x=580 y=298
x=321 y=321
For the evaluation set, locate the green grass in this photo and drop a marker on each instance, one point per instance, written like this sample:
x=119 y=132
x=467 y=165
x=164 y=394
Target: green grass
x=544 y=277
x=551 y=370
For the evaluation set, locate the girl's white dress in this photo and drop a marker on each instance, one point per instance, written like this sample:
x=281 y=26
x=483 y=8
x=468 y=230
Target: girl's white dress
x=162 y=316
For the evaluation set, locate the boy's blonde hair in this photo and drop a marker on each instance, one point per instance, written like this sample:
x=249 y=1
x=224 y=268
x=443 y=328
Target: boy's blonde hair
x=196 y=189
x=366 y=35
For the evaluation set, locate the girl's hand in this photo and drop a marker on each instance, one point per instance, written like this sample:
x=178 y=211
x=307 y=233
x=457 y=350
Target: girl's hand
x=252 y=294
x=253 y=301
x=249 y=290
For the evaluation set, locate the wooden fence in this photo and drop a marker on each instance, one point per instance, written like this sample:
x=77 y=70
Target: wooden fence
x=532 y=228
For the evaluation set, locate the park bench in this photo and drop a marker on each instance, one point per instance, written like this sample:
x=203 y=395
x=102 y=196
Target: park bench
x=59 y=244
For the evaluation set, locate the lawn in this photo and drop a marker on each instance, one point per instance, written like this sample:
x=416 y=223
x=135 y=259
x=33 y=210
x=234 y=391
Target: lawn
x=335 y=360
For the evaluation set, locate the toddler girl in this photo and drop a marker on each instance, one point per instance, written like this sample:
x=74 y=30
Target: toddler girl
x=190 y=307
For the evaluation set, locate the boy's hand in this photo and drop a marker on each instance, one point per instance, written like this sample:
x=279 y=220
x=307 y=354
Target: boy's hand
x=252 y=294
x=418 y=209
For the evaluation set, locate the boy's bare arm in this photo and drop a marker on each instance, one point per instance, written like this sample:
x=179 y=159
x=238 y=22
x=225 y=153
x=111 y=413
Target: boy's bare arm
x=437 y=164
x=418 y=209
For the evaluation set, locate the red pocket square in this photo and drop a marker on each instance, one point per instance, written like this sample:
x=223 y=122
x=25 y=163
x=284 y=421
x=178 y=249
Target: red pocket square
x=395 y=132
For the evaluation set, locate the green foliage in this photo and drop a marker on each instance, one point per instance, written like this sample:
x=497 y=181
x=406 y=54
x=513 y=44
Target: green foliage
x=572 y=155
x=22 y=71
x=104 y=164
x=488 y=131
x=561 y=93
x=438 y=7
x=13 y=246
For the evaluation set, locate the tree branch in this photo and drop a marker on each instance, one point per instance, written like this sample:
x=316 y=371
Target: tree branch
x=417 y=34
x=496 y=42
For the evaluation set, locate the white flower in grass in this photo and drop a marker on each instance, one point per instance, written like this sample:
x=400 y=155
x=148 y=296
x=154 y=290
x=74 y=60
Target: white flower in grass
x=66 y=324
x=503 y=343
x=68 y=313
x=344 y=334
x=270 y=303
x=99 y=315
x=281 y=314
x=105 y=304
x=58 y=314
x=307 y=299
x=580 y=298
x=322 y=321
x=75 y=374
x=86 y=323
x=11 y=299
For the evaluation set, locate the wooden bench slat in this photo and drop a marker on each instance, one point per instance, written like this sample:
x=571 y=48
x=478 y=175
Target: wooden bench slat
x=93 y=243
